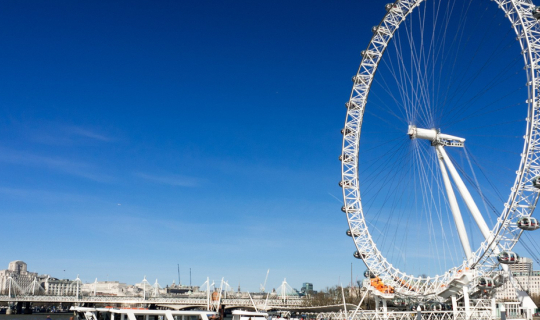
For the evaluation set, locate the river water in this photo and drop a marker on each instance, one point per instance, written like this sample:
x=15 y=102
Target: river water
x=36 y=316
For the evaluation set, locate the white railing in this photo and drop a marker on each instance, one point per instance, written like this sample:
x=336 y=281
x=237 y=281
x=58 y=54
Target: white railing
x=405 y=315
x=99 y=299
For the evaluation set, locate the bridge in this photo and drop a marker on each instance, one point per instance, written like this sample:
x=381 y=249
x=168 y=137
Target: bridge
x=173 y=302
x=17 y=292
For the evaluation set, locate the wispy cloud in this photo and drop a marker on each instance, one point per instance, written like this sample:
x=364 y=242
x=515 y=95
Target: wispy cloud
x=51 y=133
x=44 y=195
x=75 y=168
x=83 y=132
x=172 y=180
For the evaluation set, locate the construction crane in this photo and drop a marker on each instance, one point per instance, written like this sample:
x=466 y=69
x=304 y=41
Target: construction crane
x=265 y=279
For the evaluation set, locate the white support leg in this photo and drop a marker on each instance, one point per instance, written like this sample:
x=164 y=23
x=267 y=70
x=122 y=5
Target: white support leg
x=454 y=307
x=458 y=219
x=466 y=302
x=384 y=308
x=465 y=195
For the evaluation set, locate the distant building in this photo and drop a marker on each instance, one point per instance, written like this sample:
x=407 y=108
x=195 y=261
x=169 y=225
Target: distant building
x=524 y=275
x=30 y=281
x=107 y=288
x=17 y=270
x=57 y=287
x=523 y=268
x=307 y=288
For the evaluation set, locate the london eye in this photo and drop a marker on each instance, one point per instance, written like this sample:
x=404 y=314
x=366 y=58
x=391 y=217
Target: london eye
x=441 y=144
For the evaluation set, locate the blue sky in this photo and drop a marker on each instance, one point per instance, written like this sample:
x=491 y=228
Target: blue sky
x=142 y=135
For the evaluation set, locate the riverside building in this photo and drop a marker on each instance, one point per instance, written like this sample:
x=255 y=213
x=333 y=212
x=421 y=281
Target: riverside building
x=17 y=270
x=24 y=280
x=525 y=276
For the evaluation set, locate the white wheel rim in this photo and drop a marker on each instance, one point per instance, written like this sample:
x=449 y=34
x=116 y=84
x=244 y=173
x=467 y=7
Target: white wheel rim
x=523 y=197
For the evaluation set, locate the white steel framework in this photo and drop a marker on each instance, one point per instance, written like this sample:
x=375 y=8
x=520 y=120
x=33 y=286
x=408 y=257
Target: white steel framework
x=523 y=196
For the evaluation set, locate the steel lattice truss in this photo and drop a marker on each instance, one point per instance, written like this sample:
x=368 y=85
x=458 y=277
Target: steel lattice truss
x=403 y=315
x=523 y=196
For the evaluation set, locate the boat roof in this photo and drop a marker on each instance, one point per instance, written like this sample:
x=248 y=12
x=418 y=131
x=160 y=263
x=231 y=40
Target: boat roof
x=145 y=311
x=250 y=313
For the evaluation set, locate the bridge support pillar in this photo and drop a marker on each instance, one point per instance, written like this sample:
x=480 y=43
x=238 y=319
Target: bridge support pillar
x=27 y=308
x=222 y=312
x=18 y=307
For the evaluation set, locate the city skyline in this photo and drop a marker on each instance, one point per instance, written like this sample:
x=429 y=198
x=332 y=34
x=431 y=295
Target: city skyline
x=24 y=278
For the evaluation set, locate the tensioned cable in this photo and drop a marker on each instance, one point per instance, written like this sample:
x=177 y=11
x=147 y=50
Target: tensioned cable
x=478 y=189
x=460 y=33
x=466 y=84
x=532 y=254
x=390 y=212
x=493 y=125
x=472 y=183
x=429 y=176
x=490 y=85
x=498 y=193
x=476 y=114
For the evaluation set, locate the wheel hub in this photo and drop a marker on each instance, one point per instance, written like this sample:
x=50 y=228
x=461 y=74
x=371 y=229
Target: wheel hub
x=435 y=136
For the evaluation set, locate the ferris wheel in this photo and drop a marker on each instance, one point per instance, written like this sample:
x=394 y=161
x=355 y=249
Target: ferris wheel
x=444 y=178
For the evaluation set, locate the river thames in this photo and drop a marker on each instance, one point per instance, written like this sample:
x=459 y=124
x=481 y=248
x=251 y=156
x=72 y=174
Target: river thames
x=36 y=316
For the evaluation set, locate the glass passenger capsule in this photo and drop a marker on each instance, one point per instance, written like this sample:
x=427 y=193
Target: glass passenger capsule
x=359 y=79
x=345 y=184
x=508 y=257
x=369 y=274
x=485 y=283
x=498 y=281
x=536 y=12
x=528 y=223
x=536 y=182
x=368 y=54
x=359 y=255
x=346 y=131
x=380 y=30
x=345 y=158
